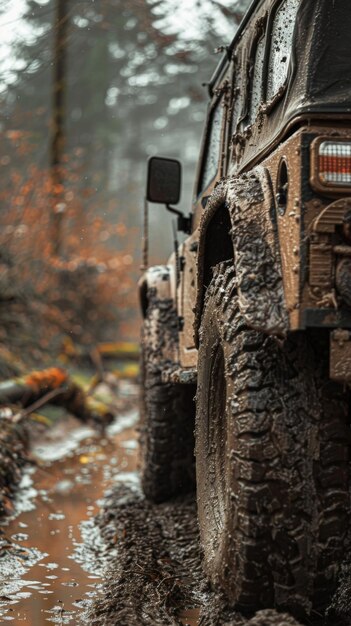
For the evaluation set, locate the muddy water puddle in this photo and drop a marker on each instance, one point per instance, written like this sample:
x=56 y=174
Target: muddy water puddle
x=47 y=573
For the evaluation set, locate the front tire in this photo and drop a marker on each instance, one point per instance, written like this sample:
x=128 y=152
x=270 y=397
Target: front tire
x=167 y=410
x=260 y=439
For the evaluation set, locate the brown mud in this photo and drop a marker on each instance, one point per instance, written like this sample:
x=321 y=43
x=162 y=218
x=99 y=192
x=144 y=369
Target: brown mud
x=135 y=564
x=48 y=571
x=167 y=409
x=154 y=575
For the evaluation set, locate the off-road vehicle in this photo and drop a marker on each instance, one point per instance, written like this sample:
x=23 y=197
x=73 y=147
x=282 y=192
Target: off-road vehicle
x=253 y=313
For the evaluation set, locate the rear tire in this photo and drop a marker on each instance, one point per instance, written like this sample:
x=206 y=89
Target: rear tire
x=331 y=470
x=262 y=459
x=167 y=411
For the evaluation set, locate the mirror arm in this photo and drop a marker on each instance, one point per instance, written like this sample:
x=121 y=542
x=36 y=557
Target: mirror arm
x=183 y=223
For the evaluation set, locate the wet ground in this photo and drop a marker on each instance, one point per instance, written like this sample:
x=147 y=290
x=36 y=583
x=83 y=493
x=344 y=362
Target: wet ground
x=46 y=572
x=70 y=556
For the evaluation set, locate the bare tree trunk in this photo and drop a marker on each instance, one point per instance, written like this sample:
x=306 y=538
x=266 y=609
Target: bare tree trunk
x=58 y=119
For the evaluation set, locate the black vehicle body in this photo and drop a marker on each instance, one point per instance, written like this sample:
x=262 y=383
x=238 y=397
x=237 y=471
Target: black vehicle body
x=318 y=85
x=258 y=302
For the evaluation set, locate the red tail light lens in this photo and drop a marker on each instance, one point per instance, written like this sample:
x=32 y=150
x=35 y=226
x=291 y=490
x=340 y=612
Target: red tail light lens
x=334 y=163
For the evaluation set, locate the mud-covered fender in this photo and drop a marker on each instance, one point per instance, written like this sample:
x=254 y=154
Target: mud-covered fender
x=159 y=281
x=249 y=200
x=160 y=327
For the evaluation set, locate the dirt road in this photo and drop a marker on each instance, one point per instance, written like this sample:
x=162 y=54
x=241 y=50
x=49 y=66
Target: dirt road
x=133 y=564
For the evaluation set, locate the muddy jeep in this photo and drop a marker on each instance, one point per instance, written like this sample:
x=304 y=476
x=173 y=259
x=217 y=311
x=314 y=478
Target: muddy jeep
x=252 y=314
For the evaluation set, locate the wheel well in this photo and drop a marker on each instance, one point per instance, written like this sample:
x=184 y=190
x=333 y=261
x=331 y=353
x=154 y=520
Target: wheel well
x=218 y=243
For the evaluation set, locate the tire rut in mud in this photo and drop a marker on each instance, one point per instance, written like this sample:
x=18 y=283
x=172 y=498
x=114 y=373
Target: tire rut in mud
x=155 y=570
x=157 y=564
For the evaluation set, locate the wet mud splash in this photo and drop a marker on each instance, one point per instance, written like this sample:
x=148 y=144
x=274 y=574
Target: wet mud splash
x=157 y=566
x=48 y=570
x=155 y=576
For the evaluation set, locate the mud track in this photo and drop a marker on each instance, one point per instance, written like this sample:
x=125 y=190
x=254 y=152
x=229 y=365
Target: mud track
x=154 y=575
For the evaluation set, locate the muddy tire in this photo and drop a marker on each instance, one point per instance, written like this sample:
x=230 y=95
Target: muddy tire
x=167 y=411
x=332 y=474
x=264 y=460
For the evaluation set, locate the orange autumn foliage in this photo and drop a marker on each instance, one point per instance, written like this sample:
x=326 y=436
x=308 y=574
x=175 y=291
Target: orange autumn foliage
x=87 y=291
x=51 y=378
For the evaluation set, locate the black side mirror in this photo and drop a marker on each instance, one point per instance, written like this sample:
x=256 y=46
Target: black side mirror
x=163 y=180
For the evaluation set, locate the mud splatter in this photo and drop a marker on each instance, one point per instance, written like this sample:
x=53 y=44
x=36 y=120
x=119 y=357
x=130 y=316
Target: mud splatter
x=256 y=251
x=154 y=572
x=158 y=564
x=154 y=575
x=249 y=200
x=167 y=410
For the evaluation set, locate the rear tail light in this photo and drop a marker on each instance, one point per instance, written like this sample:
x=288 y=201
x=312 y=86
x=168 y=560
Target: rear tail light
x=334 y=163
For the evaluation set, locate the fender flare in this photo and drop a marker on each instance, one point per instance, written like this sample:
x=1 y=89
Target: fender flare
x=159 y=279
x=160 y=325
x=248 y=198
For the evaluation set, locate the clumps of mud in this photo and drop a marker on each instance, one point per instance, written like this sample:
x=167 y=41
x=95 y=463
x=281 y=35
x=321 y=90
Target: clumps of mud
x=154 y=573
x=157 y=567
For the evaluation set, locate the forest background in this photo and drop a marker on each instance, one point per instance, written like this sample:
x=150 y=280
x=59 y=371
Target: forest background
x=130 y=77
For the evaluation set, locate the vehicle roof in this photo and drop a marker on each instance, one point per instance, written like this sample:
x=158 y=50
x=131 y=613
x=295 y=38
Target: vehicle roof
x=225 y=59
x=319 y=79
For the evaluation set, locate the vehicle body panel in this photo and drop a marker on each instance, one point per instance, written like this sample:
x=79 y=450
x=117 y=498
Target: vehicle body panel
x=237 y=189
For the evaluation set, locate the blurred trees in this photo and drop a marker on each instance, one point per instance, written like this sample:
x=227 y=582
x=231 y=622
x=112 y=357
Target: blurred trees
x=132 y=87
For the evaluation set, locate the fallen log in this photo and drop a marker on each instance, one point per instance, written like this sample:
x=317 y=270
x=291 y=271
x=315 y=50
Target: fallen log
x=53 y=385
x=20 y=398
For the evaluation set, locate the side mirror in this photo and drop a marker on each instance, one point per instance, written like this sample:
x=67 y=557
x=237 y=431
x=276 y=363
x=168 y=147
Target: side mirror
x=163 y=180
